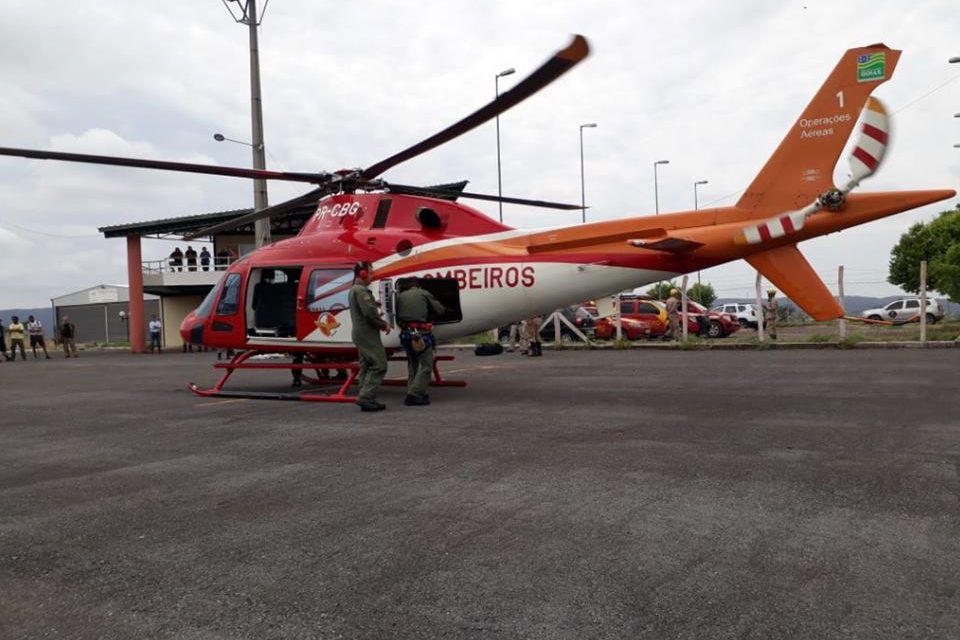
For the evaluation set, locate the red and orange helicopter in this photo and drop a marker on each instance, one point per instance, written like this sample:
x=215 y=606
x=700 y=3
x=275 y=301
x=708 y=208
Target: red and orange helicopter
x=488 y=274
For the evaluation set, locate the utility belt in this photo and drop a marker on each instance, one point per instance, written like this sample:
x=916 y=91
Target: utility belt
x=416 y=337
x=422 y=327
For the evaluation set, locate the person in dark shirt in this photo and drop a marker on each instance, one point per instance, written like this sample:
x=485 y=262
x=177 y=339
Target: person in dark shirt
x=68 y=332
x=191 y=255
x=176 y=259
x=205 y=259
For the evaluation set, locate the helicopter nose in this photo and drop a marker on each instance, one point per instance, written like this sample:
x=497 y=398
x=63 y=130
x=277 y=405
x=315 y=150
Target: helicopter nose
x=191 y=329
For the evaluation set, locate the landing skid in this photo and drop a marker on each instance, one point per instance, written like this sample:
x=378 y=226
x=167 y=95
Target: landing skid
x=347 y=373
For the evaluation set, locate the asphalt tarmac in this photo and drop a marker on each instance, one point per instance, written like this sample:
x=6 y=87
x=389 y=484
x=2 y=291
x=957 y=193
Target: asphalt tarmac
x=604 y=494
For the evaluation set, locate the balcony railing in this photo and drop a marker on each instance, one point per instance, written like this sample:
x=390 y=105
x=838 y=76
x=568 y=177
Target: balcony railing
x=160 y=273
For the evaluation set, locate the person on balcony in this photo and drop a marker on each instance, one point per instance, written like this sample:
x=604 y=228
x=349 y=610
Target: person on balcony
x=176 y=260
x=205 y=259
x=191 y=255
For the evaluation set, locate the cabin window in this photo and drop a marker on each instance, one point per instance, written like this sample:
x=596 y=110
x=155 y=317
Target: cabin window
x=230 y=300
x=328 y=289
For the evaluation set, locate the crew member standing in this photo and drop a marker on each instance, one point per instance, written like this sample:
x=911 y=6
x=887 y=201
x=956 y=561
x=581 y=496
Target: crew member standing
x=770 y=314
x=531 y=329
x=415 y=308
x=367 y=325
x=673 y=314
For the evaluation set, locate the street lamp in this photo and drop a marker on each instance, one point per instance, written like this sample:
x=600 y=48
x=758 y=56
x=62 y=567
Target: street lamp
x=496 y=90
x=219 y=137
x=955 y=59
x=696 y=205
x=656 y=195
x=248 y=16
x=583 y=193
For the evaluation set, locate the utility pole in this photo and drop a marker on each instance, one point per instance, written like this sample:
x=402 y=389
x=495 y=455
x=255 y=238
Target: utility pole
x=249 y=17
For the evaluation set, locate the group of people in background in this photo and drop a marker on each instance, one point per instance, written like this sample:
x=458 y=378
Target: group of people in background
x=192 y=259
x=16 y=331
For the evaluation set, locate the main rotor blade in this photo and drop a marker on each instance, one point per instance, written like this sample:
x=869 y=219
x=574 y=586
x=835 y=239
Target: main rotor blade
x=273 y=211
x=236 y=172
x=549 y=71
x=453 y=194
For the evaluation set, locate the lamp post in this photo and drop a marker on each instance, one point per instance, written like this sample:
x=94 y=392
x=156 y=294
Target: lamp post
x=583 y=192
x=696 y=205
x=656 y=195
x=125 y=321
x=496 y=90
x=248 y=16
x=219 y=137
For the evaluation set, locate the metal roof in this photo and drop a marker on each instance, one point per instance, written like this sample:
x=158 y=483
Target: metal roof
x=183 y=225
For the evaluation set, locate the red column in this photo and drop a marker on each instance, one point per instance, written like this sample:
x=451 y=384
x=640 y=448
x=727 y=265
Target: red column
x=135 y=279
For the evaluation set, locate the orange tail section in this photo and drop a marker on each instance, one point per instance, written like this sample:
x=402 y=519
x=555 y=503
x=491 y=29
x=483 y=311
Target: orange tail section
x=802 y=166
x=790 y=272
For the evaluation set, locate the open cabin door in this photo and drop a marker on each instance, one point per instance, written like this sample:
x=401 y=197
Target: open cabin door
x=445 y=290
x=272 y=301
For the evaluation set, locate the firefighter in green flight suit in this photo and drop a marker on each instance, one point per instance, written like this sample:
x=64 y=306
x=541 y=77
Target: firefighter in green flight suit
x=367 y=325
x=415 y=308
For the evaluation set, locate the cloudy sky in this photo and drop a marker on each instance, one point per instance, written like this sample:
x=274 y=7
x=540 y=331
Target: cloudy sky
x=711 y=86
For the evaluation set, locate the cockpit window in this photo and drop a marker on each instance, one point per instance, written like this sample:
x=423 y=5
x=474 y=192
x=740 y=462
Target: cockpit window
x=204 y=309
x=230 y=300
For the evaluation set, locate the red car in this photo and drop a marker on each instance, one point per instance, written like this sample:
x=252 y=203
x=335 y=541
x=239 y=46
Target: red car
x=654 y=313
x=630 y=329
x=711 y=323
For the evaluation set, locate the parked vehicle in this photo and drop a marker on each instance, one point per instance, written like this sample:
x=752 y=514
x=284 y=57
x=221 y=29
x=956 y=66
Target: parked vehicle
x=630 y=329
x=654 y=313
x=711 y=323
x=745 y=313
x=905 y=310
x=581 y=319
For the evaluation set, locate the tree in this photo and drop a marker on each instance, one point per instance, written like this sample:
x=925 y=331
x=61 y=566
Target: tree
x=702 y=293
x=937 y=242
x=661 y=290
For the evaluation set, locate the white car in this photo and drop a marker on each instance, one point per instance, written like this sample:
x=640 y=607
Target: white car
x=745 y=313
x=905 y=310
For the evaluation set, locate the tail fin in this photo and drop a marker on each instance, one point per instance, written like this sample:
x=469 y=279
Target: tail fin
x=802 y=166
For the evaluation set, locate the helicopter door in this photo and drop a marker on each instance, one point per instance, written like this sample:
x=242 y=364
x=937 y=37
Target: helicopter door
x=447 y=293
x=321 y=301
x=272 y=296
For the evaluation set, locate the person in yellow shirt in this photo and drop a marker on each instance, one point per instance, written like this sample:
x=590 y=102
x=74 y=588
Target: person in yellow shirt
x=15 y=331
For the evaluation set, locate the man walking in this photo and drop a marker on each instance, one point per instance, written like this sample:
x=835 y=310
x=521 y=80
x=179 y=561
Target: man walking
x=367 y=325
x=415 y=308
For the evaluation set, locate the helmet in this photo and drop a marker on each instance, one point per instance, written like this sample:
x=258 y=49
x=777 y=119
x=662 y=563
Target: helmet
x=771 y=292
x=674 y=292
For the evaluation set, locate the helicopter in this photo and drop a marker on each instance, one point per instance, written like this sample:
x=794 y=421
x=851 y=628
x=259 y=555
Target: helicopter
x=291 y=296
